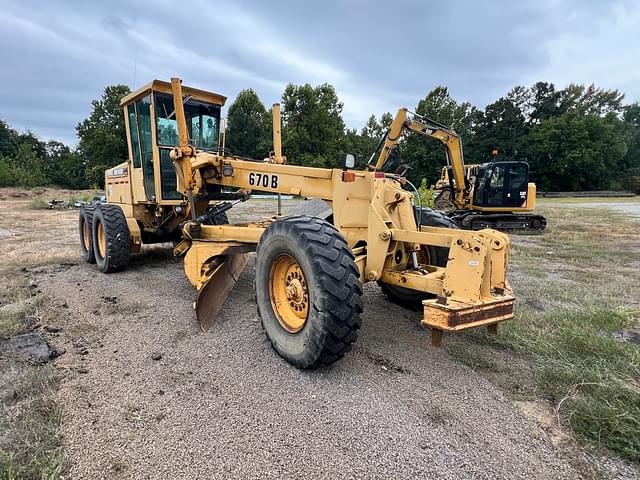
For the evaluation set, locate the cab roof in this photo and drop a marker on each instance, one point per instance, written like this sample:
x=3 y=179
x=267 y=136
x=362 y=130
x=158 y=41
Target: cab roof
x=165 y=87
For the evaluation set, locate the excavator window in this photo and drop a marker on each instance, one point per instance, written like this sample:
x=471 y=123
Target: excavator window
x=496 y=186
x=516 y=185
x=502 y=184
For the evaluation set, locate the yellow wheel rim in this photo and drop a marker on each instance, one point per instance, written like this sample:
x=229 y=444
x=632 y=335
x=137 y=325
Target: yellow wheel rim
x=86 y=235
x=289 y=293
x=102 y=240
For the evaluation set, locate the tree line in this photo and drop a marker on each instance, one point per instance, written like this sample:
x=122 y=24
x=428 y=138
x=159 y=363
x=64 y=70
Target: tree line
x=576 y=138
x=581 y=137
x=27 y=161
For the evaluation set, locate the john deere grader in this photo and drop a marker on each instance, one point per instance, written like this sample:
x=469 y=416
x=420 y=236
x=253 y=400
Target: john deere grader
x=180 y=181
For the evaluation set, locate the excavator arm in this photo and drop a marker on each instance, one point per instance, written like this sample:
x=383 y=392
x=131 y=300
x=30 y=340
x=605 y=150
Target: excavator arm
x=403 y=123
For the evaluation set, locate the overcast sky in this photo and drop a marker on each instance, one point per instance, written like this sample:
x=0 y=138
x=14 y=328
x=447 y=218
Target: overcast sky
x=56 y=56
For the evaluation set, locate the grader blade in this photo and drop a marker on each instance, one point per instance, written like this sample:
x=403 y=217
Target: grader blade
x=225 y=271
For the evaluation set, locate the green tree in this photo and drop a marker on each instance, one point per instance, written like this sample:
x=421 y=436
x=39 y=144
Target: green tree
x=591 y=100
x=102 y=141
x=363 y=144
x=576 y=152
x=34 y=143
x=313 y=128
x=27 y=167
x=544 y=102
x=64 y=167
x=502 y=126
x=426 y=156
x=22 y=158
x=631 y=164
x=8 y=140
x=7 y=172
x=248 y=126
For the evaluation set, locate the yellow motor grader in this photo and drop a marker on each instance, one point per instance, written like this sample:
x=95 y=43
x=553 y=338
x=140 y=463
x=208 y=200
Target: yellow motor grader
x=180 y=180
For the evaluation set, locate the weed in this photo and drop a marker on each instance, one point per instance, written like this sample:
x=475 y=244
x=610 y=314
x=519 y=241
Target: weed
x=38 y=204
x=31 y=447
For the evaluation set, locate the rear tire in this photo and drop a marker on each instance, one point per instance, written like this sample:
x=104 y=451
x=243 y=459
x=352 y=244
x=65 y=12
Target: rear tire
x=438 y=256
x=85 y=226
x=308 y=291
x=111 y=238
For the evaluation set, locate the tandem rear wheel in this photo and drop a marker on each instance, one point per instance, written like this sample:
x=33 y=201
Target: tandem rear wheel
x=110 y=238
x=85 y=223
x=308 y=291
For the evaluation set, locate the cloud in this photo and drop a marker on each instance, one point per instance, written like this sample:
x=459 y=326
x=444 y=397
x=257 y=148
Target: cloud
x=380 y=55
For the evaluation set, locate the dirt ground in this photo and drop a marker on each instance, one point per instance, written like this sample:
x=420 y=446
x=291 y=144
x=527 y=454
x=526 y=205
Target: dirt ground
x=146 y=394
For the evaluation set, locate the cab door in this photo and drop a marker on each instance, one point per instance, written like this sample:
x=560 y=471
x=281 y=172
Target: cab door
x=141 y=149
x=516 y=184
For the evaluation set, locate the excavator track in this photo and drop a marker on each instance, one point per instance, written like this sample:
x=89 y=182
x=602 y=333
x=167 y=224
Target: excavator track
x=504 y=222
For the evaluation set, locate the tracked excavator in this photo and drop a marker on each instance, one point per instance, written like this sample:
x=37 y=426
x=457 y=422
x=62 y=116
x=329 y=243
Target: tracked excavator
x=180 y=180
x=494 y=195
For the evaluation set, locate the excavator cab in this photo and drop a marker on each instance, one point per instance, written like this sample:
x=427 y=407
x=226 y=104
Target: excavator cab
x=502 y=184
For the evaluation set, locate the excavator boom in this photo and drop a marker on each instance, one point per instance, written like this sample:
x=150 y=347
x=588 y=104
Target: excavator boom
x=493 y=200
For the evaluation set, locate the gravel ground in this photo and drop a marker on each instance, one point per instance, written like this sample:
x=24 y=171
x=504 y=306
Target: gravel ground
x=148 y=395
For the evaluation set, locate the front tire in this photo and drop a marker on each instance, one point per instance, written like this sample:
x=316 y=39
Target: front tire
x=308 y=291
x=111 y=238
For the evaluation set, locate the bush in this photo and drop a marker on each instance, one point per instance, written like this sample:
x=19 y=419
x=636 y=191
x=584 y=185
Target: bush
x=632 y=183
x=426 y=194
x=38 y=204
x=7 y=175
x=95 y=176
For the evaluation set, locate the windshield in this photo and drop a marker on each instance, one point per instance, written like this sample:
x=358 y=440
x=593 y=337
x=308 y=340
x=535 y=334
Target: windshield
x=203 y=122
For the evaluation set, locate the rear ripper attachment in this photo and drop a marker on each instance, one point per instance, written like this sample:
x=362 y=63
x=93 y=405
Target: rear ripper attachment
x=469 y=290
x=482 y=298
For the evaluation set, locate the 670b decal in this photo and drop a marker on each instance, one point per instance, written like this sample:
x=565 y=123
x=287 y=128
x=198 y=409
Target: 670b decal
x=263 y=180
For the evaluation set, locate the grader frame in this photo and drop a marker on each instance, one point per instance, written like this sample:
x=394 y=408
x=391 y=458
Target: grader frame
x=373 y=221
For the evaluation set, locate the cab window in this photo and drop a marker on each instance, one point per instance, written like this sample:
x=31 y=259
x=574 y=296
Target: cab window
x=143 y=108
x=133 y=136
x=203 y=122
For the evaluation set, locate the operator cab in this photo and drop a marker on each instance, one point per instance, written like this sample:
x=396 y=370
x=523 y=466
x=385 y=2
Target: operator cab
x=152 y=133
x=502 y=184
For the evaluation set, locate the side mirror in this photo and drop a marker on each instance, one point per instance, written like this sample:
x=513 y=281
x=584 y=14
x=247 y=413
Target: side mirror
x=347 y=160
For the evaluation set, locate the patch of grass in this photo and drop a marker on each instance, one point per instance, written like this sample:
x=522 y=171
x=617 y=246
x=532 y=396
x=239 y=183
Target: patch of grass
x=31 y=447
x=11 y=317
x=30 y=441
x=583 y=371
x=30 y=437
x=475 y=359
x=16 y=302
x=576 y=286
x=554 y=201
x=38 y=204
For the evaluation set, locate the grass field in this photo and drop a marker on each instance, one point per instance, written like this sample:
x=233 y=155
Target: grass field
x=555 y=201
x=30 y=443
x=573 y=341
